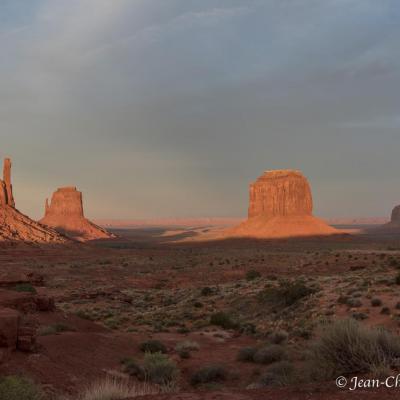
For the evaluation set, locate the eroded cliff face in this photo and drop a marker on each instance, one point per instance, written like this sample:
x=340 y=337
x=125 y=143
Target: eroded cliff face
x=65 y=214
x=280 y=205
x=15 y=226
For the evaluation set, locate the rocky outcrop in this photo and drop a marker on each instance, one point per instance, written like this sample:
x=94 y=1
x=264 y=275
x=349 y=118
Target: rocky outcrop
x=65 y=214
x=281 y=205
x=395 y=218
x=15 y=226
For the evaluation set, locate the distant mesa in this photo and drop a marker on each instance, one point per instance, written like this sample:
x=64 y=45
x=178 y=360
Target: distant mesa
x=65 y=214
x=395 y=218
x=281 y=206
x=15 y=226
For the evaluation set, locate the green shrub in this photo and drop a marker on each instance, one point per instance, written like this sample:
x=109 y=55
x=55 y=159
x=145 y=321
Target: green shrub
x=53 y=329
x=16 y=388
x=206 y=291
x=153 y=346
x=346 y=347
x=286 y=294
x=223 y=320
x=187 y=345
x=252 y=275
x=278 y=337
x=210 y=373
x=397 y=279
x=25 y=287
x=246 y=354
x=279 y=374
x=375 y=302
x=159 y=369
x=269 y=354
x=132 y=367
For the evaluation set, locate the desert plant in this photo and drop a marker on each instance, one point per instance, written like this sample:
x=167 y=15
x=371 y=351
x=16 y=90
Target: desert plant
x=187 y=345
x=286 y=294
x=223 y=320
x=346 y=346
x=24 y=287
x=113 y=389
x=159 y=369
x=252 y=274
x=397 y=279
x=17 y=388
x=132 y=367
x=278 y=337
x=279 y=374
x=375 y=302
x=153 y=346
x=53 y=329
x=207 y=374
x=269 y=354
x=246 y=354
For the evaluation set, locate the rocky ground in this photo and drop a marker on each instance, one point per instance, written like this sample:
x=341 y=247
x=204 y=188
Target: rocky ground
x=82 y=312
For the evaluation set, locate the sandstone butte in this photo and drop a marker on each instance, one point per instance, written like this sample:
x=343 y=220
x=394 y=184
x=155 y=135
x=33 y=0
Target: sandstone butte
x=65 y=214
x=392 y=227
x=281 y=206
x=15 y=226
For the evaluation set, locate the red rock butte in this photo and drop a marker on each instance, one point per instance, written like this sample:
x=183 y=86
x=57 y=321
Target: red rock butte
x=15 y=226
x=65 y=214
x=281 y=206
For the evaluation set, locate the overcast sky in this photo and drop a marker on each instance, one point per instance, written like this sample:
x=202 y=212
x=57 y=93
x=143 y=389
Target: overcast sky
x=170 y=108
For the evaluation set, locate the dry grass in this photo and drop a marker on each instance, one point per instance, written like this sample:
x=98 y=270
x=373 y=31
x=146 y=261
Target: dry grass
x=114 y=389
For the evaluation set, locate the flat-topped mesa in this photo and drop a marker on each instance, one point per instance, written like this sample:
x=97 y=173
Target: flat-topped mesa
x=280 y=193
x=281 y=205
x=65 y=214
x=67 y=202
x=15 y=226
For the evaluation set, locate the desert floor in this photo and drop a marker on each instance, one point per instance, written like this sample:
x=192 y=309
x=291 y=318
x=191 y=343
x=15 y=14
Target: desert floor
x=111 y=296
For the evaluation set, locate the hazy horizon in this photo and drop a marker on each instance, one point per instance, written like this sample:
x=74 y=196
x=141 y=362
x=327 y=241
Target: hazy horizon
x=159 y=109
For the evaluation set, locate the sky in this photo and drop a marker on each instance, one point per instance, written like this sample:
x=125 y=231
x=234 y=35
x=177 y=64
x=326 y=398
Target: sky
x=170 y=108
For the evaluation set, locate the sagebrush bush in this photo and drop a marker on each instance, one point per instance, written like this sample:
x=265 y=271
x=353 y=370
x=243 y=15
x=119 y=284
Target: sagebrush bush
x=278 y=337
x=17 y=388
x=207 y=374
x=269 y=354
x=346 y=347
x=24 y=287
x=153 y=346
x=132 y=367
x=246 y=354
x=187 y=345
x=223 y=320
x=286 y=294
x=279 y=374
x=376 y=302
x=252 y=274
x=159 y=369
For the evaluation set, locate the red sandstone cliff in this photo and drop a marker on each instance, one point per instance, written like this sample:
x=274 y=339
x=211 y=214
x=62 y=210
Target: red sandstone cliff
x=65 y=214
x=281 y=206
x=15 y=226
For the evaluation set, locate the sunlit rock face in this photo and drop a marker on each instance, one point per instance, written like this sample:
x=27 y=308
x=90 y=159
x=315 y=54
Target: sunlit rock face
x=65 y=214
x=15 y=226
x=281 y=205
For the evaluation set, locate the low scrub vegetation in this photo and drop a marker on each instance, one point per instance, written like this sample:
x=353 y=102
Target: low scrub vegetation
x=209 y=374
x=17 y=388
x=346 y=346
x=153 y=346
